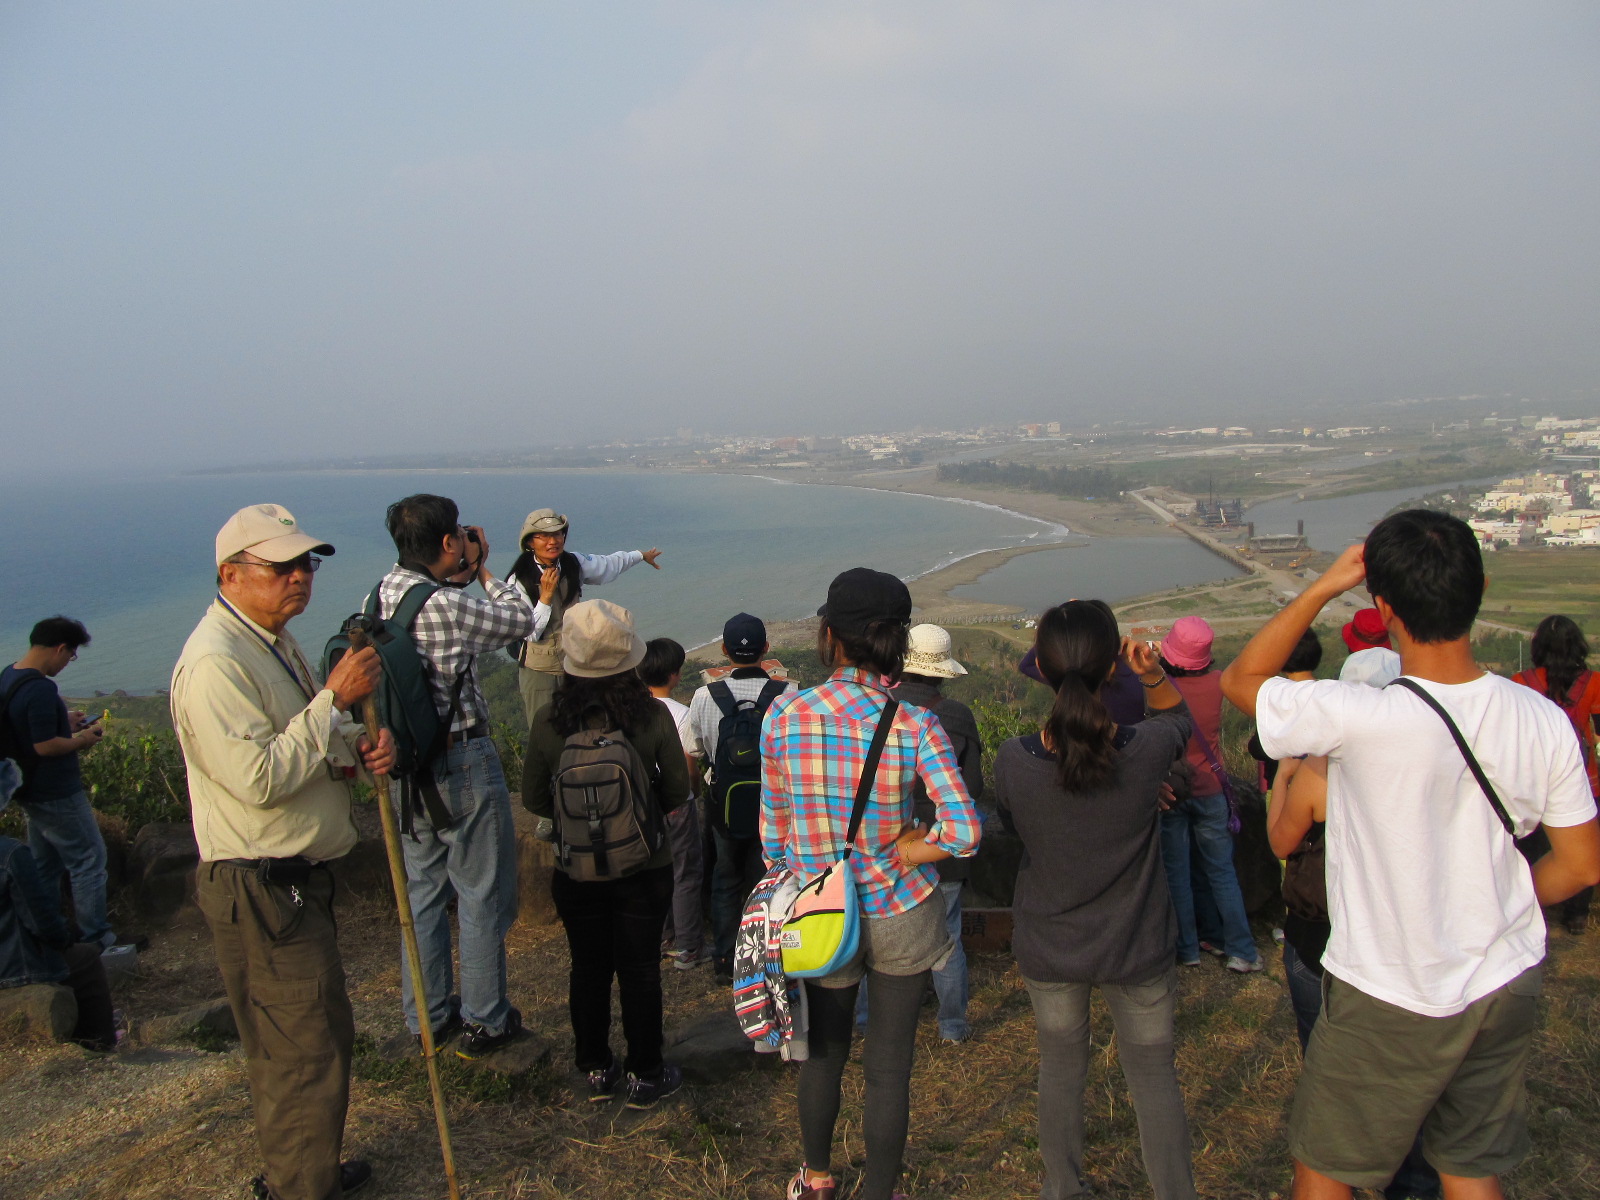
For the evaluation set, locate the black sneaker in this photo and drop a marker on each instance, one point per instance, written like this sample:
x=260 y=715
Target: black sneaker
x=723 y=968
x=353 y=1176
x=603 y=1083
x=442 y=1035
x=644 y=1092
x=478 y=1041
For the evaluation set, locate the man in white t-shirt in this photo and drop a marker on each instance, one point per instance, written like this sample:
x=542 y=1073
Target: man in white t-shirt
x=734 y=791
x=661 y=669
x=1433 y=966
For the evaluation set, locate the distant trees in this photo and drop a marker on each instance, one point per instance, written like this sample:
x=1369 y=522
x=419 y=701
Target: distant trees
x=1062 y=481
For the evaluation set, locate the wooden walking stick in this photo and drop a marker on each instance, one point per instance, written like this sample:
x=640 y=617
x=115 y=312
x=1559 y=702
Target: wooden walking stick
x=357 y=631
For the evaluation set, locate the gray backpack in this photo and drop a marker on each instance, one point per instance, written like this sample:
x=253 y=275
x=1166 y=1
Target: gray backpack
x=607 y=823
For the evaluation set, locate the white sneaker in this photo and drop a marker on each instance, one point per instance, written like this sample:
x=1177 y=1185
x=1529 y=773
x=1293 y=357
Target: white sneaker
x=1243 y=966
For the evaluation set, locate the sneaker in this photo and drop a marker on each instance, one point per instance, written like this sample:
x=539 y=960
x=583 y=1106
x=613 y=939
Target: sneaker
x=478 y=1041
x=1245 y=966
x=799 y=1189
x=1214 y=951
x=1188 y=962
x=603 y=1082
x=688 y=960
x=442 y=1035
x=644 y=1092
x=353 y=1176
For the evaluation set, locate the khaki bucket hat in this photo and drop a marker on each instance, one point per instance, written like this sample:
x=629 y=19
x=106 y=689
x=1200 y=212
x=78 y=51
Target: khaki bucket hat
x=597 y=640
x=542 y=520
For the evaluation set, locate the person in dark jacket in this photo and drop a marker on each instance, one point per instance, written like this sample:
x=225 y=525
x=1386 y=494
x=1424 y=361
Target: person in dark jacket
x=36 y=943
x=928 y=664
x=613 y=925
x=1092 y=909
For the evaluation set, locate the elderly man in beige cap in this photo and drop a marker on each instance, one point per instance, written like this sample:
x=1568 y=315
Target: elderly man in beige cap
x=271 y=753
x=553 y=580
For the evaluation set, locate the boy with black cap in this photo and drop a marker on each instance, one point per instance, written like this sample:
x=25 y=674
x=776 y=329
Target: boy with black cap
x=734 y=708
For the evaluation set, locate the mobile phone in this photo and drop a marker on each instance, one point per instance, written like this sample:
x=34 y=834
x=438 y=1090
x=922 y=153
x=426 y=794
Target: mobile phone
x=95 y=720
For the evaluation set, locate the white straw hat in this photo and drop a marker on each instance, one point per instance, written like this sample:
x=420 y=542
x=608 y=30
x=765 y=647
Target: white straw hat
x=928 y=653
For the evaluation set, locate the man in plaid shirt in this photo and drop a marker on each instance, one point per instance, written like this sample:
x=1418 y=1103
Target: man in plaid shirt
x=474 y=858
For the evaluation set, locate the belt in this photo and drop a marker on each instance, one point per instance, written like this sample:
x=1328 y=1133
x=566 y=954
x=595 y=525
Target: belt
x=294 y=869
x=458 y=736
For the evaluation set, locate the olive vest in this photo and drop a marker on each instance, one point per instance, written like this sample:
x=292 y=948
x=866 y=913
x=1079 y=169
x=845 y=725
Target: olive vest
x=545 y=654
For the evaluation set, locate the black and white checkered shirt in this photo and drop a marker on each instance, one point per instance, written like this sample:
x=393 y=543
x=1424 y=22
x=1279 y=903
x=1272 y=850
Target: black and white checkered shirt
x=453 y=628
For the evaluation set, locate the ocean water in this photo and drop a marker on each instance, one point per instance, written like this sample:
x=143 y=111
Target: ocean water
x=134 y=561
x=1339 y=521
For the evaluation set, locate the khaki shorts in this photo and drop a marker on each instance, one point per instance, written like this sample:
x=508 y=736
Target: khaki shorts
x=908 y=944
x=1376 y=1073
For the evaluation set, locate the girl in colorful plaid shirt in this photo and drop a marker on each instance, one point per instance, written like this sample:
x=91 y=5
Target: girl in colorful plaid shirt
x=814 y=746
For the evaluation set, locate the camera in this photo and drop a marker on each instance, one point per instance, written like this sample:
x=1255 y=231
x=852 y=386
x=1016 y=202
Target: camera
x=472 y=536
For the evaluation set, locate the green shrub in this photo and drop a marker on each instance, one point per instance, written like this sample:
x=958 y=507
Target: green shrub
x=139 y=777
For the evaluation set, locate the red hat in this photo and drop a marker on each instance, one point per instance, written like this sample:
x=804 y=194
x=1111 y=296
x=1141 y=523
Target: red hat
x=1365 y=631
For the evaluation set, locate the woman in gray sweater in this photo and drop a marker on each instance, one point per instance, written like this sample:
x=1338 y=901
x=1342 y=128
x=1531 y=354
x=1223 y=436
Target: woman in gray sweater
x=1092 y=907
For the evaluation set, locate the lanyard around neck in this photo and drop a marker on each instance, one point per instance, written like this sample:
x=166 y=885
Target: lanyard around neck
x=271 y=649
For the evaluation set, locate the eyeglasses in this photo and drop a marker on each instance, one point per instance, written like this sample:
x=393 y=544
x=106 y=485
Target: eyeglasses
x=306 y=562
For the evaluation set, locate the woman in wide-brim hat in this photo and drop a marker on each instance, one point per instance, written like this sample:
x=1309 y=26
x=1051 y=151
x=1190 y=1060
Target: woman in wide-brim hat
x=814 y=748
x=613 y=925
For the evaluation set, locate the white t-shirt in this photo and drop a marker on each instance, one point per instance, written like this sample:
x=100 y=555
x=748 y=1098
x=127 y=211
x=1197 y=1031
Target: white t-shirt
x=1432 y=906
x=680 y=719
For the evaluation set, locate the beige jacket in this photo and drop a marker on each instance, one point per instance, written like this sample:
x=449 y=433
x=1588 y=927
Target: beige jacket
x=267 y=766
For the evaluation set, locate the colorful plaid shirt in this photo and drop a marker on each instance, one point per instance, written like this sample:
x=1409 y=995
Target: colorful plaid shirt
x=813 y=746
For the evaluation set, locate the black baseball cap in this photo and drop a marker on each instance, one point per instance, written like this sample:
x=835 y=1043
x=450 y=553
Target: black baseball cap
x=745 y=637
x=860 y=596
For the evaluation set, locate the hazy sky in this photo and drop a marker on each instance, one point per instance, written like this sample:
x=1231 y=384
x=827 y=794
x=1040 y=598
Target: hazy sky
x=245 y=231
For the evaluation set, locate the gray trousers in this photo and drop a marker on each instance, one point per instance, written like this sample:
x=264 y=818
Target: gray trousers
x=686 y=927
x=536 y=687
x=1142 y=1014
x=280 y=962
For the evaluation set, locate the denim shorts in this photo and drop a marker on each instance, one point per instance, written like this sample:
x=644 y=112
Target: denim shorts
x=905 y=944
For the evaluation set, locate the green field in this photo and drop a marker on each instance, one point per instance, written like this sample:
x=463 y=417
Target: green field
x=1525 y=586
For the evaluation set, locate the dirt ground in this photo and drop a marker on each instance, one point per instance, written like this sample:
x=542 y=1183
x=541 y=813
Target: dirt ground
x=174 y=1120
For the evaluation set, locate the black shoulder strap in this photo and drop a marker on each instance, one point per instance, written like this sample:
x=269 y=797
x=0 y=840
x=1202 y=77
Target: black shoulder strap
x=869 y=773
x=411 y=603
x=722 y=696
x=1415 y=688
x=770 y=691
x=25 y=676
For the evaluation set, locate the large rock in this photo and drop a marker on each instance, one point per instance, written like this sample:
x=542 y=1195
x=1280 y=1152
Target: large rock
x=212 y=1019
x=712 y=1047
x=994 y=870
x=536 y=863
x=42 y=1009
x=161 y=865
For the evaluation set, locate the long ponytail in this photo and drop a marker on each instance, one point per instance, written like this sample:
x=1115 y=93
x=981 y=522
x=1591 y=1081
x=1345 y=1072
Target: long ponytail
x=1077 y=646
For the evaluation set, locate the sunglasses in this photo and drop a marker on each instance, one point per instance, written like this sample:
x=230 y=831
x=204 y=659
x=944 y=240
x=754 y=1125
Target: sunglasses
x=306 y=562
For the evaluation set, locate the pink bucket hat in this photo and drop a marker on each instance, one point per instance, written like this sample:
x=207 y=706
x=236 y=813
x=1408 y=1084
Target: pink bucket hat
x=1188 y=646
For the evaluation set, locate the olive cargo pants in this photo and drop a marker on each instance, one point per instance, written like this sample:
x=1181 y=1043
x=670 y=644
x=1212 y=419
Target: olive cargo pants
x=280 y=962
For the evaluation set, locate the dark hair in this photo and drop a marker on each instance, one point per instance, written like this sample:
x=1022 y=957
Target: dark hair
x=1306 y=655
x=622 y=697
x=1561 y=649
x=1077 y=644
x=59 y=631
x=419 y=524
x=1428 y=568
x=880 y=648
x=663 y=658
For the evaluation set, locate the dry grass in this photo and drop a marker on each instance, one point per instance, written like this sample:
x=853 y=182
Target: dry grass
x=175 y=1122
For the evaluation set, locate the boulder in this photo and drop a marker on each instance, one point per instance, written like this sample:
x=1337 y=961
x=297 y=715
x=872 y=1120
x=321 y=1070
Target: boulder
x=536 y=863
x=712 y=1047
x=42 y=1009
x=994 y=870
x=521 y=1054
x=212 y=1019
x=161 y=865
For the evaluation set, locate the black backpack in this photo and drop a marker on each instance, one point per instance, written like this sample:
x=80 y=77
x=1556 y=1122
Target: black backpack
x=607 y=822
x=736 y=773
x=12 y=746
x=405 y=701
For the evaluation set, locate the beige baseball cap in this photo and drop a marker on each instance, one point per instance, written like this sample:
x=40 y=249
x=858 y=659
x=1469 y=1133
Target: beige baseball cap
x=268 y=531
x=542 y=520
x=597 y=640
x=928 y=653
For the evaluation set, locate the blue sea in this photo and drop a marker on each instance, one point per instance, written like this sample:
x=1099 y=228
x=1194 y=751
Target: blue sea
x=134 y=560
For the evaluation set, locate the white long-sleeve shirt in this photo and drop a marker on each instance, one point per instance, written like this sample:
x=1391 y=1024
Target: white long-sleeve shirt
x=596 y=569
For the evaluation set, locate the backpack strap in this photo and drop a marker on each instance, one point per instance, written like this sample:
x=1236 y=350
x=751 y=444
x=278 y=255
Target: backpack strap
x=24 y=677
x=770 y=691
x=869 y=773
x=1416 y=688
x=722 y=695
x=424 y=789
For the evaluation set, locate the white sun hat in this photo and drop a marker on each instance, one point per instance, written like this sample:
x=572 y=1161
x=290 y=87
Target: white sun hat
x=928 y=653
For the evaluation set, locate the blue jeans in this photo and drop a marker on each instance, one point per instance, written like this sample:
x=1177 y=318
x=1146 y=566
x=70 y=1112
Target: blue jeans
x=1305 y=994
x=1142 y=1016
x=475 y=860
x=949 y=981
x=1205 y=820
x=64 y=837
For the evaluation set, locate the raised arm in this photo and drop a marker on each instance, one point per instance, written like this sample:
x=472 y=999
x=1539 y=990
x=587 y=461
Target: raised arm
x=1264 y=655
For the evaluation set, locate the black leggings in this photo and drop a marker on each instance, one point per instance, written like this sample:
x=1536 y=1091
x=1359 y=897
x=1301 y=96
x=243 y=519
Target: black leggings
x=886 y=1064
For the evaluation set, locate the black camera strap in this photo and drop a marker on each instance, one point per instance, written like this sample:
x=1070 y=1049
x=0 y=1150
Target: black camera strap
x=1416 y=688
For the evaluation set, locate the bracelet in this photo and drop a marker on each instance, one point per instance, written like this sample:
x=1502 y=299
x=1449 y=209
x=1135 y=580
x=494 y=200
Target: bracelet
x=1156 y=684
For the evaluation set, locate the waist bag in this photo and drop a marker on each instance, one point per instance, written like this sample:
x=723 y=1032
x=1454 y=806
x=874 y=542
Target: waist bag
x=824 y=927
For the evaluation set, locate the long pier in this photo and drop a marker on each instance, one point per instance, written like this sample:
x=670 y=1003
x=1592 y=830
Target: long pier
x=1226 y=553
